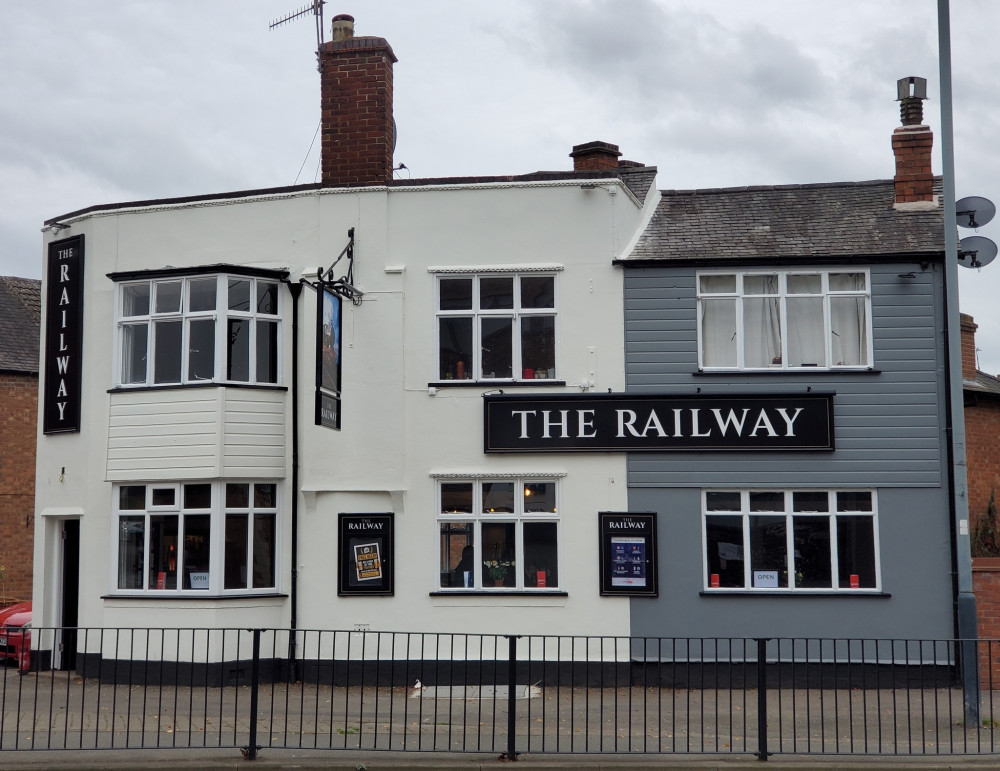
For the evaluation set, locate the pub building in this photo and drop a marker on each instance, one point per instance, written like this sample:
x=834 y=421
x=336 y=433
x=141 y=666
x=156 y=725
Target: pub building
x=373 y=404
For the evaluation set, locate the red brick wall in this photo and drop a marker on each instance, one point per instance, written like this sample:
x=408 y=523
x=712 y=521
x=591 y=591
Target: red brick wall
x=912 y=147
x=18 y=420
x=986 y=586
x=968 y=327
x=982 y=452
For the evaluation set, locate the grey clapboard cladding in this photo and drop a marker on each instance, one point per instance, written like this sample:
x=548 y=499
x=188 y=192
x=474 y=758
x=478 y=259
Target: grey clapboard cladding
x=888 y=422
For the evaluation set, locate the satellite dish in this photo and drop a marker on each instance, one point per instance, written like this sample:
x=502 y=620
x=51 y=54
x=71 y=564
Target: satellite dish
x=976 y=251
x=974 y=212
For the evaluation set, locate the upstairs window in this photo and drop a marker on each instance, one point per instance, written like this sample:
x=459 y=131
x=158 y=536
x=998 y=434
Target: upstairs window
x=213 y=328
x=784 y=320
x=497 y=327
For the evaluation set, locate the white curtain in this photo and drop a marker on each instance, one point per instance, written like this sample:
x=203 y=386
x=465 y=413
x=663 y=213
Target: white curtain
x=806 y=345
x=848 y=321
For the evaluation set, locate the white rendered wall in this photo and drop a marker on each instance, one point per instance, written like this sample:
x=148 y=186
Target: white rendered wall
x=398 y=434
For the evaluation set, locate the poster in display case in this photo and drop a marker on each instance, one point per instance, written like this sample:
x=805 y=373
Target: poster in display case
x=628 y=553
x=365 y=554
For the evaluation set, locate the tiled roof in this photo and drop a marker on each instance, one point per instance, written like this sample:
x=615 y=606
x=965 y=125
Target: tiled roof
x=638 y=179
x=843 y=219
x=20 y=313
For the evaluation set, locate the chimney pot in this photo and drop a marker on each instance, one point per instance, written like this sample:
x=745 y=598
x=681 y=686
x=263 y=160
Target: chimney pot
x=342 y=27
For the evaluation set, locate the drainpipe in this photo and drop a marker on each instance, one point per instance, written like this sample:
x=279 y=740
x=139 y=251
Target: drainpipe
x=295 y=290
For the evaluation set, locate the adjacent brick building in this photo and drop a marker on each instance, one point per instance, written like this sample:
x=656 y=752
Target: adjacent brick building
x=982 y=424
x=19 y=329
x=982 y=429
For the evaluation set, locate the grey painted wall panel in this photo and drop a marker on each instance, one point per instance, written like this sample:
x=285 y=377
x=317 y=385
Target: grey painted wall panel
x=916 y=597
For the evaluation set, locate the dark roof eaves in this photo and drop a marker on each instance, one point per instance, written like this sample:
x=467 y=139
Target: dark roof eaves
x=182 y=200
x=537 y=176
x=12 y=369
x=770 y=188
x=775 y=260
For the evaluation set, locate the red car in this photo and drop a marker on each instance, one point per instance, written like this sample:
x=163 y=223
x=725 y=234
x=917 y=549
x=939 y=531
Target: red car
x=15 y=634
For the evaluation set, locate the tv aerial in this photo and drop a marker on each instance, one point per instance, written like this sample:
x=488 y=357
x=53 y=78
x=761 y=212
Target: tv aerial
x=974 y=212
x=316 y=9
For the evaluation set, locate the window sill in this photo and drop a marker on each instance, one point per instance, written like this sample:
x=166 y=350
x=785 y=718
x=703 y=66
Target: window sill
x=500 y=593
x=206 y=384
x=191 y=595
x=803 y=371
x=494 y=383
x=838 y=593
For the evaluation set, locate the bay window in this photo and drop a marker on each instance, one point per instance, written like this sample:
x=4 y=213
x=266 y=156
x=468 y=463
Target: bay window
x=497 y=327
x=197 y=329
x=784 y=319
x=196 y=537
x=498 y=534
x=790 y=539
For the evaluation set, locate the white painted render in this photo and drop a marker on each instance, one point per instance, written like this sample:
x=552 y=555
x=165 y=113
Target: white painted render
x=399 y=435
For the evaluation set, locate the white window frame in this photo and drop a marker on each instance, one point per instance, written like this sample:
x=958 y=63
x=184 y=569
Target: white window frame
x=221 y=315
x=478 y=314
x=217 y=535
x=739 y=295
x=832 y=515
x=519 y=517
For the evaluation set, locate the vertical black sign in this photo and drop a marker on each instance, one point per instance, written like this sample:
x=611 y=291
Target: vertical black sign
x=63 y=336
x=366 y=554
x=328 y=367
x=628 y=553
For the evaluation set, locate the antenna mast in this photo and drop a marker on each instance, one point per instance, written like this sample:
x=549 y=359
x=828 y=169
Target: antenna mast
x=316 y=9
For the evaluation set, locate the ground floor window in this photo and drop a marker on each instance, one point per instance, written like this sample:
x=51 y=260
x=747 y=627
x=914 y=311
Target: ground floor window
x=498 y=534
x=790 y=539
x=196 y=536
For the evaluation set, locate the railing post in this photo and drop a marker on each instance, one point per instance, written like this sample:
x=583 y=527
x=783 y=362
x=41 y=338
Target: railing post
x=250 y=752
x=762 y=753
x=512 y=639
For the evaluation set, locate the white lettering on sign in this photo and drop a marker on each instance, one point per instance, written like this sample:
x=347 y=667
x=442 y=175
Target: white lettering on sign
x=732 y=423
x=626 y=524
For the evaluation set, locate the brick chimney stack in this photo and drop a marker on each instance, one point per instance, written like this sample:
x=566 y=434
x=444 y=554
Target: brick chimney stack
x=595 y=156
x=911 y=144
x=969 y=328
x=356 y=107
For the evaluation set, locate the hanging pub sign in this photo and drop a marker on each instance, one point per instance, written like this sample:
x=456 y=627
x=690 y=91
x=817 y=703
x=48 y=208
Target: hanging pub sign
x=366 y=554
x=328 y=365
x=628 y=553
x=63 y=336
x=651 y=423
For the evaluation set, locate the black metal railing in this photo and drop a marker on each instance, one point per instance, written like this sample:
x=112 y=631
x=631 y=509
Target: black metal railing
x=497 y=694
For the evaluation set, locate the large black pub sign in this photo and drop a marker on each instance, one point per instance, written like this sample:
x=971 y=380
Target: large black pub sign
x=63 y=336
x=652 y=423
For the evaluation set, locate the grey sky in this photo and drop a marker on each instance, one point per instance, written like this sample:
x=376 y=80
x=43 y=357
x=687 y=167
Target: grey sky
x=111 y=100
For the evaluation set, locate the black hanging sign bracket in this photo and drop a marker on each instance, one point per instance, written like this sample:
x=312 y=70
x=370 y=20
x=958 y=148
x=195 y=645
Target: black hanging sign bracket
x=343 y=286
